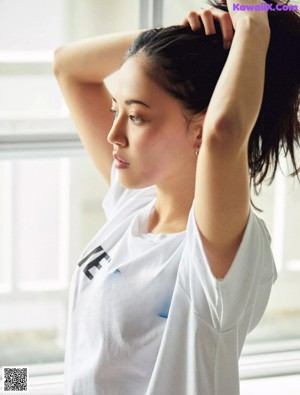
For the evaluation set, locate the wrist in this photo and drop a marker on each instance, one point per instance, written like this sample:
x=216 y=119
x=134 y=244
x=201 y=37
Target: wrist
x=253 y=23
x=257 y=28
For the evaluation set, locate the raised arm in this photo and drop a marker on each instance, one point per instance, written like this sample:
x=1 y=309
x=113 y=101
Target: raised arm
x=80 y=69
x=222 y=182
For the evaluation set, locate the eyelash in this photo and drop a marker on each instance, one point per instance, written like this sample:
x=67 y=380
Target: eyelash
x=114 y=112
x=137 y=120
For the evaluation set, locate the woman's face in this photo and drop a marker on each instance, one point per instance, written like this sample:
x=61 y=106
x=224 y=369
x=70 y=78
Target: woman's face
x=152 y=143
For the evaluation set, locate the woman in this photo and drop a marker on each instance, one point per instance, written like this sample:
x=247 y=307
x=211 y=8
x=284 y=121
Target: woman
x=168 y=289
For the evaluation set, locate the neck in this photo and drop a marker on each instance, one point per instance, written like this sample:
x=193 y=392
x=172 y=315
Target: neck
x=173 y=203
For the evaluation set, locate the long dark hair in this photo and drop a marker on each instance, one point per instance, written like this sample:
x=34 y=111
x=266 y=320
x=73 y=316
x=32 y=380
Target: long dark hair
x=187 y=65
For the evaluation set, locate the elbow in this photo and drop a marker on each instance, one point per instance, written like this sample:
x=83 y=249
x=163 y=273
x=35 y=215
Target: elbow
x=57 y=61
x=225 y=132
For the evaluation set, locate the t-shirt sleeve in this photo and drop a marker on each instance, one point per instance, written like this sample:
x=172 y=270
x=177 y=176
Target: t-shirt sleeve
x=245 y=289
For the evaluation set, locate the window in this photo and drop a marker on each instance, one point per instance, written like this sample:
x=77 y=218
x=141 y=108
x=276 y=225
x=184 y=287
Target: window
x=50 y=207
x=50 y=204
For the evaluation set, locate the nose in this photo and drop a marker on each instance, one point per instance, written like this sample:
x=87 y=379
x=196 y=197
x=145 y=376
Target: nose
x=117 y=134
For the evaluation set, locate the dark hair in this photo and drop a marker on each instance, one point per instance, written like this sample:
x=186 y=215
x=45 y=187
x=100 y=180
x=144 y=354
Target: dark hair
x=187 y=65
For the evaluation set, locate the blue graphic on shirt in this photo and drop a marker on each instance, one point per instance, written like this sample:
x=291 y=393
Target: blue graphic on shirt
x=117 y=271
x=165 y=309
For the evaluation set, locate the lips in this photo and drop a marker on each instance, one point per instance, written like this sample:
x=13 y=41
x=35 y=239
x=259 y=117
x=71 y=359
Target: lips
x=120 y=163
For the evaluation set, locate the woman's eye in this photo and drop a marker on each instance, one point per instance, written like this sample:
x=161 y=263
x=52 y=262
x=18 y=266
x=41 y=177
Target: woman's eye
x=115 y=112
x=136 y=119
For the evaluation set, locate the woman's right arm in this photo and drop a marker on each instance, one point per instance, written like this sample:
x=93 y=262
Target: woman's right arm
x=80 y=69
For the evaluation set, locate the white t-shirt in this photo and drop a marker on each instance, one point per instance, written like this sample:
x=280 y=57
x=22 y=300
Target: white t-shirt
x=147 y=317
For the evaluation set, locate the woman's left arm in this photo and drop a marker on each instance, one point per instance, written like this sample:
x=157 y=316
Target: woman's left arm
x=222 y=191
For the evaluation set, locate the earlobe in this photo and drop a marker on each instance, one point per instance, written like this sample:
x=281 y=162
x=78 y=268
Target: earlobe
x=198 y=144
x=197 y=140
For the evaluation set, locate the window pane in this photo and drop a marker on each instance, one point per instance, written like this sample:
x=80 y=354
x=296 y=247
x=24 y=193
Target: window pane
x=30 y=25
x=32 y=331
x=281 y=205
x=175 y=11
x=29 y=96
x=49 y=210
x=40 y=213
x=40 y=28
x=28 y=90
x=5 y=224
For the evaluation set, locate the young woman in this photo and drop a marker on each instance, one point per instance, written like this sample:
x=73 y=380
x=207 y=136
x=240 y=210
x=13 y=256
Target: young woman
x=166 y=292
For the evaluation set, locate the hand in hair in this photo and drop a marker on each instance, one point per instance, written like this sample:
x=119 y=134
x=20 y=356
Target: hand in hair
x=207 y=18
x=227 y=20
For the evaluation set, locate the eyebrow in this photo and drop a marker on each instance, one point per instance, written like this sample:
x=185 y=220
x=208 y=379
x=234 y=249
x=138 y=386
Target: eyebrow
x=132 y=101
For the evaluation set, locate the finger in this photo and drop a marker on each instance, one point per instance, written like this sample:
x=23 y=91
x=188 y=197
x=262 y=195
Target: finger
x=208 y=21
x=227 y=29
x=226 y=26
x=185 y=22
x=193 y=20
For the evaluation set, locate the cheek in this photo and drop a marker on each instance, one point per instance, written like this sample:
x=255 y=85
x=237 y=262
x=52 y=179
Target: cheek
x=154 y=159
x=172 y=146
x=163 y=156
x=156 y=152
x=160 y=145
x=148 y=143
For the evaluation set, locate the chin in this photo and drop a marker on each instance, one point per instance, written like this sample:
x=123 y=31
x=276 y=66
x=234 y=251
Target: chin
x=133 y=182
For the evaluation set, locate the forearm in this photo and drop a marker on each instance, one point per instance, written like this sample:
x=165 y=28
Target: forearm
x=92 y=60
x=237 y=97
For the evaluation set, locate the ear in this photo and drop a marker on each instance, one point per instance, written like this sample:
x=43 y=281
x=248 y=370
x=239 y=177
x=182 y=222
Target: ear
x=196 y=128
